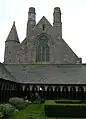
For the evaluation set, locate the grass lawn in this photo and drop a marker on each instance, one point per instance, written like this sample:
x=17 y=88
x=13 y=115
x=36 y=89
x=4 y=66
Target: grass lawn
x=37 y=109
x=32 y=108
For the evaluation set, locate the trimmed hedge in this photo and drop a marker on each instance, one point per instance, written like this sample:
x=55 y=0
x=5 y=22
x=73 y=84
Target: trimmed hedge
x=53 y=109
x=65 y=110
x=70 y=101
x=50 y=102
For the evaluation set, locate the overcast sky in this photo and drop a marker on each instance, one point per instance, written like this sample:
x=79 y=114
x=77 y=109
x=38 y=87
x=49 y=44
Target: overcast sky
x=73 y=20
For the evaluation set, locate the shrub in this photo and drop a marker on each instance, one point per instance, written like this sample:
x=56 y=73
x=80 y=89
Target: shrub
x=36 y=102
x=70 y=101
x=7 y=109
x=1 y=115
x=16 y=100
x=16 y=111
x=42 y=100
x=19 y=103
x=66 y=110
x=20 y=106
x=28 y=102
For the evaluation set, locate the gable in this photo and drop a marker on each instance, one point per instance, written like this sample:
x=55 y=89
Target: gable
x=58 y=50
x=44 y=23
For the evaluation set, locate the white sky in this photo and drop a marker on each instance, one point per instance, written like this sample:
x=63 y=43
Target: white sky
x=73 y=20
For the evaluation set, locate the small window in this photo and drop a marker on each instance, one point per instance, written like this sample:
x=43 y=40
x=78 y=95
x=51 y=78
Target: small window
x=43 y=27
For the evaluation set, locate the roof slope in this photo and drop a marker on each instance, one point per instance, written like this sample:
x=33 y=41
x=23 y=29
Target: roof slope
x=5 y=74
x=13 y=36
x=48 y=74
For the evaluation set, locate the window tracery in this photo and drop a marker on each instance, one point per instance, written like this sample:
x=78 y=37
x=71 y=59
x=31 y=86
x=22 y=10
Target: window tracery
x=42 y=53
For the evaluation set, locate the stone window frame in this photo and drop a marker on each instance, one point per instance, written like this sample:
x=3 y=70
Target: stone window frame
x=43 y=49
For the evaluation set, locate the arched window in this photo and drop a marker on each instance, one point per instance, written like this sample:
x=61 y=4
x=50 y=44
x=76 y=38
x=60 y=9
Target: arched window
x=42 y=53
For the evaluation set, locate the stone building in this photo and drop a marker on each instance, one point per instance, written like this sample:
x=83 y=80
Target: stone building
x=43 y=62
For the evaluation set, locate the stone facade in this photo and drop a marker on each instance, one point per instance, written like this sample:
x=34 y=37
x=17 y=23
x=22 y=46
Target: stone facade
x=26 y=52
x=42 y=60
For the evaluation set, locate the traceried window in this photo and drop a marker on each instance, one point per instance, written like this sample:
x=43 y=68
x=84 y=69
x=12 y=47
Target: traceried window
x=42 y=53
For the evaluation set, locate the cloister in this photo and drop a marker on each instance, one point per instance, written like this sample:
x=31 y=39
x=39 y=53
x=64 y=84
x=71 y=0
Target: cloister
x=45 y=91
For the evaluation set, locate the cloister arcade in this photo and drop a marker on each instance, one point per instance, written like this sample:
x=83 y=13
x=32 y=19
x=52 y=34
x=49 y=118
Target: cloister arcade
x=46 y=91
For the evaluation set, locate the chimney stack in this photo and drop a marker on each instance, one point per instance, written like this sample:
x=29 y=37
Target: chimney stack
x=56 y=16
x=31 y=20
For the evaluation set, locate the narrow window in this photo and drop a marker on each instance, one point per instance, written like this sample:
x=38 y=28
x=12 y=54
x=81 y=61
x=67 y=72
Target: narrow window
x=38 y=53
x=42 y=52
x=47 y=53
x=43 y=27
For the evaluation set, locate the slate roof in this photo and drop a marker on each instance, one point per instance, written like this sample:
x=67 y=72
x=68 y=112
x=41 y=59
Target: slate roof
x=5 y=74
x=48 y=74
x=13 y=36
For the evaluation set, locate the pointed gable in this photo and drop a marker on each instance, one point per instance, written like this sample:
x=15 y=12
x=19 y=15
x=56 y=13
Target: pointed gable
x=13 y=36
x=44 y=22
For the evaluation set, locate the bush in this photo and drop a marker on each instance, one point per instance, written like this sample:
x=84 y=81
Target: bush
x=66 y=110
x=28 y=102
x=42 y=100
x=20 y=106
x=19 y=103
x=7 y=109
x=70 y=101
x=36 y=102
x=1 y=115
x=16 y=100
x=16 y=111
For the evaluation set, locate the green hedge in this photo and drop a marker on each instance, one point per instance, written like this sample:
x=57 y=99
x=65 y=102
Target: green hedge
x=70 y=101
x=65 y=110
x=53 y=109
x=51 y=102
